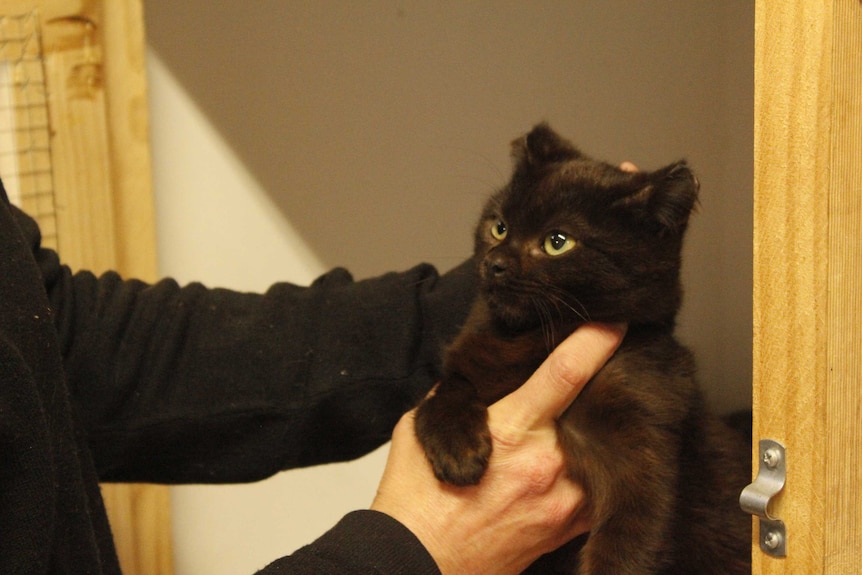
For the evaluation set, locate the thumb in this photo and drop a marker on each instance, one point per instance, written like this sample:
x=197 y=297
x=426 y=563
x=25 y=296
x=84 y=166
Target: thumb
x=562 y=376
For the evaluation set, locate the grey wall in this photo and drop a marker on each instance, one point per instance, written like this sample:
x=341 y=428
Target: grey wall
x=377 y=128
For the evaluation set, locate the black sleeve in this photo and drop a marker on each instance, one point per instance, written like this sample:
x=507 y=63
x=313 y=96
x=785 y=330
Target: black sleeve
x=363 y=543
x=189 y=384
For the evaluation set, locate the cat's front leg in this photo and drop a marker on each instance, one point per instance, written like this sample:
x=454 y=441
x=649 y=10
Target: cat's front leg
x=452 y=426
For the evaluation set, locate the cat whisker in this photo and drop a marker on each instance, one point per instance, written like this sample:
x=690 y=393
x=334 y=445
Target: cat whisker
x=552 y=305
x=546 y=322
x=561 y=297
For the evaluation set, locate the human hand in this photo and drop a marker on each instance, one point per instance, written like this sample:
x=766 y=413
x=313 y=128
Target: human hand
x=525 y=505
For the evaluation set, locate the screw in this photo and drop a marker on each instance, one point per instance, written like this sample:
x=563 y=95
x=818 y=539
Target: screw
x=772 y=457
x=772 y=540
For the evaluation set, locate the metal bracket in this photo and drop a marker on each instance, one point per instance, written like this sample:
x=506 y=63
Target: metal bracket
x=755 y=498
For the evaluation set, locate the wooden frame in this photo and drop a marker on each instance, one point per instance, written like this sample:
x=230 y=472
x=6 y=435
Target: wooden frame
x=808 y=275
x=93 y=71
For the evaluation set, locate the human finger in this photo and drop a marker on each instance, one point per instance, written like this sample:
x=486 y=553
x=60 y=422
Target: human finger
x=629 y=167
x=560 y=378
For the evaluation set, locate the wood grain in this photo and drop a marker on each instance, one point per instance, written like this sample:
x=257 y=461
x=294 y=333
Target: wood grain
x=128 y=139
x=79 y=143
x=843 y=546
x=808 y=274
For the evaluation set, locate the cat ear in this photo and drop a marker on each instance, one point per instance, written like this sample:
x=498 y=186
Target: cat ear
x=667 y=196
x=540 y=146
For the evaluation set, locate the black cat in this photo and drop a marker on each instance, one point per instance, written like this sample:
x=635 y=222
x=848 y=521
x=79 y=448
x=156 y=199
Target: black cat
x=571 y=240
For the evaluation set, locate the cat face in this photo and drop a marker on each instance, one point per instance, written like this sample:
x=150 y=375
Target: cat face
x=571 y=239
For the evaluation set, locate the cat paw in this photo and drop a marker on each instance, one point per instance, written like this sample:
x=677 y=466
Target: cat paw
x=457 y=442
x=463 y=465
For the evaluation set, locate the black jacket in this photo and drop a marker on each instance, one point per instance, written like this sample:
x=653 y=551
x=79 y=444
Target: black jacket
x=108 y=379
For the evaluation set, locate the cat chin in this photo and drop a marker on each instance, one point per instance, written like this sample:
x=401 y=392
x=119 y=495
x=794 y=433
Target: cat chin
x=510 y=320
x=507 y=328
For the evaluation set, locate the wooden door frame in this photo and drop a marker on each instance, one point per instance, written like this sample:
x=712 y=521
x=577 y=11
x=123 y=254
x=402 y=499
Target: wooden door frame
x=807 y=388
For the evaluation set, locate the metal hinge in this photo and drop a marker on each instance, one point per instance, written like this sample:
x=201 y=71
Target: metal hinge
x=755 y=498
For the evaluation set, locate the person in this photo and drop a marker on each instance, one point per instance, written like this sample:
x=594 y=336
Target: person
x=112 y=379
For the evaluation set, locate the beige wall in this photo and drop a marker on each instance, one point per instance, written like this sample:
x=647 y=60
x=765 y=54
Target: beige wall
x=290 y=137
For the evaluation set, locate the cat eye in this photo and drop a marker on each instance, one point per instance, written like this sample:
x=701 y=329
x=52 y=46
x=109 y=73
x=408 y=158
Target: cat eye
x=499 y=230
x=558 y=243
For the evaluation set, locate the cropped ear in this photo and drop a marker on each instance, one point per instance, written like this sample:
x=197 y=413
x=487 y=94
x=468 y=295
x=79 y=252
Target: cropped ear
x=541 y=146
x=667 y=197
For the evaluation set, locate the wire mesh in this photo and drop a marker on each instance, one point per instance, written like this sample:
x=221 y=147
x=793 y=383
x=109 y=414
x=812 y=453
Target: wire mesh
x=25 y=134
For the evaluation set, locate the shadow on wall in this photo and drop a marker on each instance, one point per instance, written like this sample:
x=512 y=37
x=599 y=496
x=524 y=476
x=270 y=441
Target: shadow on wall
x=378 y=128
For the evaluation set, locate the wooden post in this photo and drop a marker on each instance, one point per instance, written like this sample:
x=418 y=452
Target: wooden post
x=808 y=275
x=95 y=84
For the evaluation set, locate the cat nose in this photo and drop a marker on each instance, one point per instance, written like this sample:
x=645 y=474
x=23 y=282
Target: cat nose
x=496 y=266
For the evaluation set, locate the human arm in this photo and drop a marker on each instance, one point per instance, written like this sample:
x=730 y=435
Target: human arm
x=364 y=542
x=191 y=384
